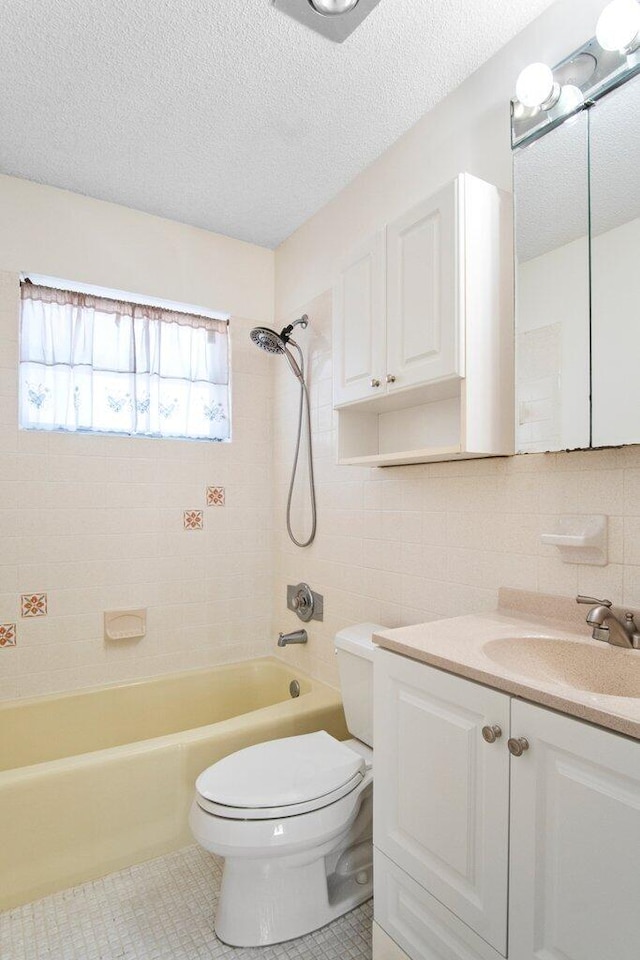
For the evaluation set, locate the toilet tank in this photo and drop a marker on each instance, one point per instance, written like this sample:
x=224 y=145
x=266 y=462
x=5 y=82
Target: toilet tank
x=354 y=649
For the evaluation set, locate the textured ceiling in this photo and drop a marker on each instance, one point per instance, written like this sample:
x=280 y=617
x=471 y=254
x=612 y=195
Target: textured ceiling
x=225 y=114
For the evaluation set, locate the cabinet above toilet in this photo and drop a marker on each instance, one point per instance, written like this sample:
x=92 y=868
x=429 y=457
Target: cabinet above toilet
x=423 y=333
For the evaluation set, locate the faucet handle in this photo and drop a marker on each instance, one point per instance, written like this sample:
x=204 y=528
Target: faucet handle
x=593 y=602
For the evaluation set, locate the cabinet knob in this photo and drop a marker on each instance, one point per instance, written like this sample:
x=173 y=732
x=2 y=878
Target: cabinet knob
x=391 y=378
x=517 y=746
x=491 y=734
x=375 y=382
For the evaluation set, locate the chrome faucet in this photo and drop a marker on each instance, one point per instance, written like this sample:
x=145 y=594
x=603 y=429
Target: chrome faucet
x=608 y=627
x=297 y=636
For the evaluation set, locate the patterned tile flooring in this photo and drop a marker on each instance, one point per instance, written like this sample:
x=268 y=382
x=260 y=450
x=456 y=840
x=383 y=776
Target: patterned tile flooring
x=159 y=910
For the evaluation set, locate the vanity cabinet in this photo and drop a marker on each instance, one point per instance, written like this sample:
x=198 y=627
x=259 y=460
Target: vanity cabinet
x=575 y=840
x=423 y=333
x=441 y=805
x=470 y=840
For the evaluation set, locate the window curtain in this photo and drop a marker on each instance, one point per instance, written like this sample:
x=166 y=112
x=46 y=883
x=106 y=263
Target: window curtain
x=93 y=364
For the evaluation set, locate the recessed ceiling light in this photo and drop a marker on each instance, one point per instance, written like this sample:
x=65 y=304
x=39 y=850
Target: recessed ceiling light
x=334 y=19
x=333 y=8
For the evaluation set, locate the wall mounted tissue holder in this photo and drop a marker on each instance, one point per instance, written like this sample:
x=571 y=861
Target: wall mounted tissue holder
x=125 y=624
x=580 y=539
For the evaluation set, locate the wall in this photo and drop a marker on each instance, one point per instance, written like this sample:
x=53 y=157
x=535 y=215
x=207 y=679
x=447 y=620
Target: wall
x=408 y=544
x=96 y=523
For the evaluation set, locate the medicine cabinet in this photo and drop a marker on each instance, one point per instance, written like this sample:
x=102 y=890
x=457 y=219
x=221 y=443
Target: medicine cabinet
x=577 y=216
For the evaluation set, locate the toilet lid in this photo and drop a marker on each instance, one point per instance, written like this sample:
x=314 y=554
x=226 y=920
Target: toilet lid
x=282 y=773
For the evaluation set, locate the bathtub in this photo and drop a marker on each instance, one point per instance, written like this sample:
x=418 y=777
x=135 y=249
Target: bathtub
x=95 y=781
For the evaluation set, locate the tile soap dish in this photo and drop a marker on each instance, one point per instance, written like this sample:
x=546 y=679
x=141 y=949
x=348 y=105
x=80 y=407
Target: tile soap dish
x=125 y=624
x=580 y=539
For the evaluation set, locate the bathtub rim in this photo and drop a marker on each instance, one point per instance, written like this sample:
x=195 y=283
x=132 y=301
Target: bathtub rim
x=321 y=696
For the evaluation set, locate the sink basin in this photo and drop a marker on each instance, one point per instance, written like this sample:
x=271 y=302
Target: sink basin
x=609 y=671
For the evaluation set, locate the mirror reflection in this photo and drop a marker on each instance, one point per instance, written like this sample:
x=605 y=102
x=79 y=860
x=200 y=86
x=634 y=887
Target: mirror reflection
x=551 y=179
x=615 y=267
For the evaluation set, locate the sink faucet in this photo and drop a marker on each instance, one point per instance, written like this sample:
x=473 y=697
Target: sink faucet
x=608 y=627
x=297 y=636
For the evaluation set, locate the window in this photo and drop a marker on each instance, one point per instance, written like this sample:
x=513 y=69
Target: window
x=95 y=364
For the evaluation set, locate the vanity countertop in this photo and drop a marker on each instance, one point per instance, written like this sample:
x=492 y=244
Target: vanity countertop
x=459 y=646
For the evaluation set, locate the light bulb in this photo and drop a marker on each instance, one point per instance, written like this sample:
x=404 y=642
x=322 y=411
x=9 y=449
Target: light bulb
x=333 y=8
x=571 y=99
x=535 y=86
x=619 y=26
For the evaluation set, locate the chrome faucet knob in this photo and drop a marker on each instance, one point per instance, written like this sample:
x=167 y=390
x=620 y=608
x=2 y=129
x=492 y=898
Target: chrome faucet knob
x=593 y=602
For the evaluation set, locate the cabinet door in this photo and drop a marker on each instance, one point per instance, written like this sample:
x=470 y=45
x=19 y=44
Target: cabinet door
x=442 y=793
x=575 y=841
x=418 y=922
x=359 y=324
x=424 y=258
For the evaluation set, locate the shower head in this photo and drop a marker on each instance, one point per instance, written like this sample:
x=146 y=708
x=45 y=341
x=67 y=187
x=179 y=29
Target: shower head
x=272 y=342
x=268 y=339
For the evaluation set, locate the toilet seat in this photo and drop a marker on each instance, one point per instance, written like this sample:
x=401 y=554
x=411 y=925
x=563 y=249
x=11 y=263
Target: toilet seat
x=280 y=778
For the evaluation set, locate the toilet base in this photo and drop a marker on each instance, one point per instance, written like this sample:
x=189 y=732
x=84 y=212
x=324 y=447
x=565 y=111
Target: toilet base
x=268 y=901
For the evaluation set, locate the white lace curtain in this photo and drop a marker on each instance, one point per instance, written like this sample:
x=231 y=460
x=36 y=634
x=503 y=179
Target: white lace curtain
x=94 y=364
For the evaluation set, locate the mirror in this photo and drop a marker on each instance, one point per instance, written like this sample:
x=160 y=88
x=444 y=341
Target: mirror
x=551 y=180
x=615 y=265
x=577 y=208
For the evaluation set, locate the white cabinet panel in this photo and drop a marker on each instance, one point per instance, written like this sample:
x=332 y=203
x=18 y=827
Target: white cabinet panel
x=575 y=841
x=359 y=324
x=423 y=360
x=441 y=805
x=418 y=922
x=424 y=257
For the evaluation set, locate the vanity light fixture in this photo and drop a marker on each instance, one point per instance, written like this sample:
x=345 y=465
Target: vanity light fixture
x=547 y=97
x=619 y=26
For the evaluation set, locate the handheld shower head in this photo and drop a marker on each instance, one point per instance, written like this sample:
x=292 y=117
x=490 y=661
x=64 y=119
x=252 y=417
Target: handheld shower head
x=268 y=339
x=280 y=343
x=272 y=342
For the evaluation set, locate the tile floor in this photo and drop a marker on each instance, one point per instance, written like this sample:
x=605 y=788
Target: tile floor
x=160 y=910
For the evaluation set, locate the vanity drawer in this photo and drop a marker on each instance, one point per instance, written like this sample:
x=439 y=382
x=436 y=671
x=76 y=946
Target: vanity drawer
x=419 y=923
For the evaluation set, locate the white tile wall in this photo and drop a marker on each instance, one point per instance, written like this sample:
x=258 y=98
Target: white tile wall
x=97 y=524
x=407 y=544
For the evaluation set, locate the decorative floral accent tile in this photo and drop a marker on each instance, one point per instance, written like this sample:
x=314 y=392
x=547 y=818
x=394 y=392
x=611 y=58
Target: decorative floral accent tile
x=215 y=496
x=8 y=635
x=33 y=605
x=193 y=519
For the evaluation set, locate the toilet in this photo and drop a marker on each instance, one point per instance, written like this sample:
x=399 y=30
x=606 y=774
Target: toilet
x=293 y=818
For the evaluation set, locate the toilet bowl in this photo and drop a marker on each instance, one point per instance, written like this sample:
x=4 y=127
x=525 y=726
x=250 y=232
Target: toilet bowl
x=293 y=820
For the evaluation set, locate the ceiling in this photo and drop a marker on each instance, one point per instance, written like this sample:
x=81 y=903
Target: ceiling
x=225 y=114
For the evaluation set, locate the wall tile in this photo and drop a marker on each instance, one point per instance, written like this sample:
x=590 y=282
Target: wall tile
x=33 y=605
x=8 y=636
x=97 y=523
x=440 y=539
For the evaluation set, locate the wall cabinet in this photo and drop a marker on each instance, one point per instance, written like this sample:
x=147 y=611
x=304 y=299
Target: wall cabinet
x=577 y=195
x=423 y=336
x=471 y=841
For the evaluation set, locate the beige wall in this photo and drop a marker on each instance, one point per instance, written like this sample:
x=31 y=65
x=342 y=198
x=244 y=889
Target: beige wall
x=407 y=544
x=467 y=131
x=404 y=545
x=96 y=522
x=62 y=234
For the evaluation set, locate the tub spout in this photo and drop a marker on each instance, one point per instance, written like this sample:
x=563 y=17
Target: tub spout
x=298 y=636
